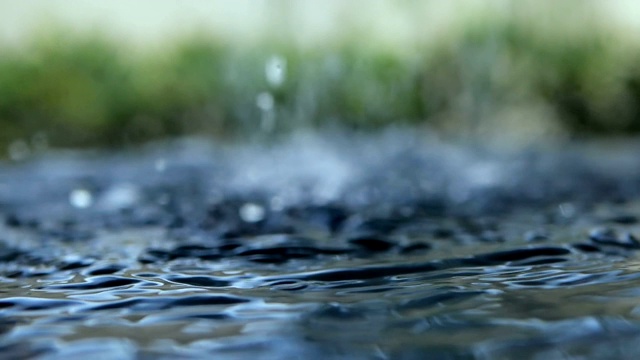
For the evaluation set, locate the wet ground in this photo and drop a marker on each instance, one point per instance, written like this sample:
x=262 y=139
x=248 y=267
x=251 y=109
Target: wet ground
x=393 y=247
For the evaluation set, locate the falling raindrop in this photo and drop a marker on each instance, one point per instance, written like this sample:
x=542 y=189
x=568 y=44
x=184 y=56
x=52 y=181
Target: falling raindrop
x=81 y=198
x=265 y=101
x=252 y=213
x=276 y=70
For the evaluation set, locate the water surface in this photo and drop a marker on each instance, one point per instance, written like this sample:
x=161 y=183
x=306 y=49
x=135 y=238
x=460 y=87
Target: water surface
x=323 y=247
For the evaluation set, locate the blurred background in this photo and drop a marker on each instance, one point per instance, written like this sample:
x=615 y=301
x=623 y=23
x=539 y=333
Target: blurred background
x=115 y=74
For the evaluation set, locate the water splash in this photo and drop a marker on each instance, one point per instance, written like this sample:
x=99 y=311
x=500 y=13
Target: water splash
x=120 y=196
x=266 y=104
x=265 y=101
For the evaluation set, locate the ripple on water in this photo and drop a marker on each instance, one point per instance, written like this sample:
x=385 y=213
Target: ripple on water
x=31 y=304
x=98 y=283
x=162 y=303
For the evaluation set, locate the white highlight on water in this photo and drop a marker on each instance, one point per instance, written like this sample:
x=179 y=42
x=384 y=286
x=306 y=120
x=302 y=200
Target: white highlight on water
x=80 y=198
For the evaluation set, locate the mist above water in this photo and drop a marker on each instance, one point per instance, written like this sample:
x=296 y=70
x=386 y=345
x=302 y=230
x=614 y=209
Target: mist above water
x=386 y=170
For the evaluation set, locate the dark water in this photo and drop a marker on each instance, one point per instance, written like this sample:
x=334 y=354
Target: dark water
x=325 y=247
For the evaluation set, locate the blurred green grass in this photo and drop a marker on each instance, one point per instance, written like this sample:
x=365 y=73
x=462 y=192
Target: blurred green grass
x=578 y=78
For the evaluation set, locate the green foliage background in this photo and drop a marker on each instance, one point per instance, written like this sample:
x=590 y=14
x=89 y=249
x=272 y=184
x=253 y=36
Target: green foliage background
x=579 y=78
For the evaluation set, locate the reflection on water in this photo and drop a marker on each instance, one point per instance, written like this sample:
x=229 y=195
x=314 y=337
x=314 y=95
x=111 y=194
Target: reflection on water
x=368 y=248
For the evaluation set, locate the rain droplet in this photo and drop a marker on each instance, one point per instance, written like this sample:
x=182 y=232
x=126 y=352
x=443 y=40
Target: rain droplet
x=81 y=198
x=251 y=212
x=276 y=70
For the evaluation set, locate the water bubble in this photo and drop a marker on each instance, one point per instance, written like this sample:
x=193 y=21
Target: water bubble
x=252 y=213
x=276 y=70
x=19 y=150
x=81 y=198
